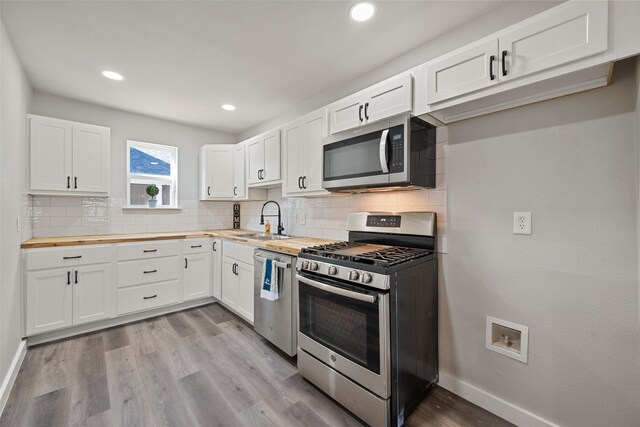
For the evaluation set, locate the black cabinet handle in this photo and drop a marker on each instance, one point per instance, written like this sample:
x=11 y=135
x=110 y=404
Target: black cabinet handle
x=300 y=182
x=360 y=113
x=72 y=257
x=149 y=250
x=491 y=59
x=151 y=297
x=235 y=191
x=76 y=280
x=68 y=182
x=304 y=182
x=150 y=271
x=235 y=269
x=366 y=108
x=208 y=191
x=68 y=277
x=75 y=182
x=186 y=263
x=195 y=246
x=214 y=247
x=504 y=63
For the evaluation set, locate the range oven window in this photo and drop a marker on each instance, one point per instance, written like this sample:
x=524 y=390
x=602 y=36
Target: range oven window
x=345 y=325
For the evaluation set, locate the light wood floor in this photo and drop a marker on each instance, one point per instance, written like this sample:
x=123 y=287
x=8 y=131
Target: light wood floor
x=202 y=366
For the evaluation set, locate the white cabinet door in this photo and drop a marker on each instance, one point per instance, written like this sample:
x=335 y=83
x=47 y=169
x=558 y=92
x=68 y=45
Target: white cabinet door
x=245 y=290
x=296 y=158
x=91 y=158
x=196 y=282
x=563 y=34
x=229 y=282
x=463 y=71
x=271 y=168
x=346 y=113
x=49 y=300
x=216 y=269
x=240 y=187
x=315 y=129
x=255 y=160
x=389 y=98
x=219 y=170
x=50 y=154
x=91 y=293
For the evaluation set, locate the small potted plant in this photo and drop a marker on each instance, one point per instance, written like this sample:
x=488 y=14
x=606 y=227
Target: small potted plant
x=153 y=191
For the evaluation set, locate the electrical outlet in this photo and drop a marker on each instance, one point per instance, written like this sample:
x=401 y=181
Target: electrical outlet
x=522 y=223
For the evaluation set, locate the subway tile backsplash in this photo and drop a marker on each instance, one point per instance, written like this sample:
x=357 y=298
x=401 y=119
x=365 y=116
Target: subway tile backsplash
x=323 y=217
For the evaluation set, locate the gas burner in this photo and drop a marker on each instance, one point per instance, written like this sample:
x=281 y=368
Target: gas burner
x=363 y=253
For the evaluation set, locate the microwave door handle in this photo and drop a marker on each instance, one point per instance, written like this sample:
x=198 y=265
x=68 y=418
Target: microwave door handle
x=338 y=291
x=383 y=151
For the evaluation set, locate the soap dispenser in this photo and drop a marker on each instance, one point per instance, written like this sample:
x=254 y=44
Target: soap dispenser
x=267 y=227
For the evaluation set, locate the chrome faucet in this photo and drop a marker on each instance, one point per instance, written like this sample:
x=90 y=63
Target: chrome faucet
x=262 y=215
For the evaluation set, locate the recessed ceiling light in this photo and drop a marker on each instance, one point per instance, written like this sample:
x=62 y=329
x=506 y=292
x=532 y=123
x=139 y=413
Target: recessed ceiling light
x=362 y=11
x=228 y=107
x=112 y=75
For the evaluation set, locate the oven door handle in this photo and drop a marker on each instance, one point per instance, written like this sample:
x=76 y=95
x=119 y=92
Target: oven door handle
x=384 y=161
x=338 y=291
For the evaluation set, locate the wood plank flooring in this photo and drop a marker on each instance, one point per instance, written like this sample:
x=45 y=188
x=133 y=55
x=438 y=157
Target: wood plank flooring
x=199 y=367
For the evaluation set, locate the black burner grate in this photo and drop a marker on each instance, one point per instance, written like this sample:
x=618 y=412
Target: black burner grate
x=385 y=257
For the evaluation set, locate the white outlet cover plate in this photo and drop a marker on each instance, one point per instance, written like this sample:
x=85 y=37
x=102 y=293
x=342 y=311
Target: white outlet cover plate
x=522 y=223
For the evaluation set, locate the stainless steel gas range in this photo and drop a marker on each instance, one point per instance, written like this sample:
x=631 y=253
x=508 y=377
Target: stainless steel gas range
x=368 y=315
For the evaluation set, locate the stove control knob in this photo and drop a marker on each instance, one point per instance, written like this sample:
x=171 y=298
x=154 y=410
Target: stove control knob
x=366 y=278
x=333 y=270
x=313 y=266
x=305 y=265
x=354 y=275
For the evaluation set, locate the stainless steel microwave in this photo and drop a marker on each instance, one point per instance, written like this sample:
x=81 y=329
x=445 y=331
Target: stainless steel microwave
x=397 y=152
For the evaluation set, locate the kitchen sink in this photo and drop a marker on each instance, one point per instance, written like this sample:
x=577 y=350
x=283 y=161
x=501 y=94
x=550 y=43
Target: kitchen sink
x=263 y=236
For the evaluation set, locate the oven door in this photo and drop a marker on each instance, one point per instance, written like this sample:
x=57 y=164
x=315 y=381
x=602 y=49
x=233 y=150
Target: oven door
x=347 y=328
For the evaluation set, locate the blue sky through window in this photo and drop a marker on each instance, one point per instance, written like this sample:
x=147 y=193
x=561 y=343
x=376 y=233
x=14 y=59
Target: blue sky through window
x=149 y=161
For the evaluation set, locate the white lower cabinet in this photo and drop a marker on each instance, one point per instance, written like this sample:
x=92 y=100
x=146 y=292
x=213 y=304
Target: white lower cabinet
x=146 y=297
x=237 y=278
x=49 y=300
x=196 y=282
x=57 y=298
x=91 y=293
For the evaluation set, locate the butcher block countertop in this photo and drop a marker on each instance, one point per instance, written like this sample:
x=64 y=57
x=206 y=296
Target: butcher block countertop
x=292 y=245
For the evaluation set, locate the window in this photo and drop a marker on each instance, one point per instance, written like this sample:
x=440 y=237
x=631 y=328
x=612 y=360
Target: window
x=152 y=164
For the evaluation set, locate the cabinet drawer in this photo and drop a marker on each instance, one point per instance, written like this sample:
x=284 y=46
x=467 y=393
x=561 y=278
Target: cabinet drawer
x=67 y=257
x=194 y=246
x=133 y=273
x=128 y=251
x=145 y=297
x=238 y=251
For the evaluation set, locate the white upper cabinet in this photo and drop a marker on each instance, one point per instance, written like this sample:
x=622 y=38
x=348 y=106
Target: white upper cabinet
x=572 y=31
x=385 y=99
x=217 y=171
x=469 y=69
x=240 y=172
x=303 y=155
x=263 y=158
x=68 y=157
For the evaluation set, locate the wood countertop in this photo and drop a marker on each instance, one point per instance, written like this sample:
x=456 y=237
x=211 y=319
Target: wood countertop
x=292 y=245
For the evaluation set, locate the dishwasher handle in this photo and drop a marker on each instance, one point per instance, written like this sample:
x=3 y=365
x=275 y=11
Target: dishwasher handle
x=278 y=264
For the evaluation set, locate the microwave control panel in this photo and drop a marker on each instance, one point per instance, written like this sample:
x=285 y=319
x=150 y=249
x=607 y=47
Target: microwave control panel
x=396 y=157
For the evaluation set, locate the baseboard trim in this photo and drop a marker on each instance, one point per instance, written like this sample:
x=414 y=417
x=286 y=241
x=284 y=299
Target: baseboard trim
x=492 y=403
x=12 y=374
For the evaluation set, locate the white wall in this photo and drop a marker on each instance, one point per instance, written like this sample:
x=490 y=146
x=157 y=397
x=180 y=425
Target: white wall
x=574 y=282
x=59 y=216
x=15 y=96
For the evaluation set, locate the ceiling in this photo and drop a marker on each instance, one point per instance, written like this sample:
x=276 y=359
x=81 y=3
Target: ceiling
x=183 y=60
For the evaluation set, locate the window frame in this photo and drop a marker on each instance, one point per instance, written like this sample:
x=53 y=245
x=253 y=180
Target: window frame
x=159 y=180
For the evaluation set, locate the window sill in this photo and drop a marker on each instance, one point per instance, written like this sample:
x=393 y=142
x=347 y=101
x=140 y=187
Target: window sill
x=159 y=208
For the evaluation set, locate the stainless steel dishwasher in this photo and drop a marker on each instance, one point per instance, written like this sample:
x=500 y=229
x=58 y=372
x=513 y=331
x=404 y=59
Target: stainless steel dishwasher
x=277 y=320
